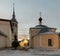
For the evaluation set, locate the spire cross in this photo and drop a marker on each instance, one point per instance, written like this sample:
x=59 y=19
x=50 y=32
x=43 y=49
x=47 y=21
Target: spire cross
x=40 y=14
x=13 y=6
x=40 y=19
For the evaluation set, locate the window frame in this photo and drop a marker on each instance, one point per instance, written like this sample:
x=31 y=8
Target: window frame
x=50 y=42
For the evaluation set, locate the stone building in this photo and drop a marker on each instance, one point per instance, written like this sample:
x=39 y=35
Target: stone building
x=8 y=31
x=42 y=36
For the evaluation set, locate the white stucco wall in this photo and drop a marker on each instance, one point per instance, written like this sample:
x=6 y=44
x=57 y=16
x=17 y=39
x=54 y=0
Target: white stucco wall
x=2 y=41
x=6 y=29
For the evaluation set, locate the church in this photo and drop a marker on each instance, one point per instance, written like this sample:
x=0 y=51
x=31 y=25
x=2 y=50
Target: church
x=42 y=36
x=8 y=31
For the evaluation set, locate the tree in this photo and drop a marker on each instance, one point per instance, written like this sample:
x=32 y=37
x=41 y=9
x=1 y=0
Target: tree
x=15 y=43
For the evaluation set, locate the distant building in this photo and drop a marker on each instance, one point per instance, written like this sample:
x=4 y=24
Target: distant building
x=8 y=31
x=42 y=36
x=21 y=37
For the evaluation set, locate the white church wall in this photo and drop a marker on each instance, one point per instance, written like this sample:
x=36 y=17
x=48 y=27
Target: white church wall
x=6 y=29
x=2 y=42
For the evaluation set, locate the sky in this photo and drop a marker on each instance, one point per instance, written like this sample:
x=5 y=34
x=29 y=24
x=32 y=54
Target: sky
x=28 y=12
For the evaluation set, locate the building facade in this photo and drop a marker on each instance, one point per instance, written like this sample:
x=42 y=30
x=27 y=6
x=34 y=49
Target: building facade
x=42 y=36
x=8 y=31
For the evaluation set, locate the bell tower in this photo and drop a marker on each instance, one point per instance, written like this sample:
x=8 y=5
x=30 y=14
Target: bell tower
x=14 y=25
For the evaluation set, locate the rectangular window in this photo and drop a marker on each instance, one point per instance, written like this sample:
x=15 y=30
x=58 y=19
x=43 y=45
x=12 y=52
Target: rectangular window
x=49 y=42
x=59 y=34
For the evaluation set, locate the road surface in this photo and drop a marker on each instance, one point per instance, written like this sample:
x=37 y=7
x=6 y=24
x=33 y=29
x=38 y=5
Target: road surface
x=30 y=52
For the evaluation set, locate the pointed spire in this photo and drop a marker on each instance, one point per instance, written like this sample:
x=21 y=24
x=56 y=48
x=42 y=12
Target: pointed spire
x=40 y=20
x=13 y=11
x=13 y=16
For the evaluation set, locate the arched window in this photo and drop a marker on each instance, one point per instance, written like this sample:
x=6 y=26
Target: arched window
x=49 y=42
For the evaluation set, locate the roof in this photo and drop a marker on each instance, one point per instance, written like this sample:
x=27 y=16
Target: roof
x=7 y=20
x=4 y=19
x=41 y=26
x=43 y=30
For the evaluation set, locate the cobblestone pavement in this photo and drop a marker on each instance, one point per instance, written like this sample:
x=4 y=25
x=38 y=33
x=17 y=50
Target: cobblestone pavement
x=30 y=52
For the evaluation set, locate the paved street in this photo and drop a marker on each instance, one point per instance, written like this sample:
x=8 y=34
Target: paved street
x=31 y=52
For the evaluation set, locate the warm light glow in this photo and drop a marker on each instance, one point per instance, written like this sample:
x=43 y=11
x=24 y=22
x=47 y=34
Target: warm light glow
x=21 y=44
x=24 y=43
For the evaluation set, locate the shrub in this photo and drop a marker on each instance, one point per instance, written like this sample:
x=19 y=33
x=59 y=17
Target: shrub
x=15 y=44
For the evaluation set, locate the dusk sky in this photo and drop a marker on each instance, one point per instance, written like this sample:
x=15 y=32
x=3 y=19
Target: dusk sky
x=28 y=12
